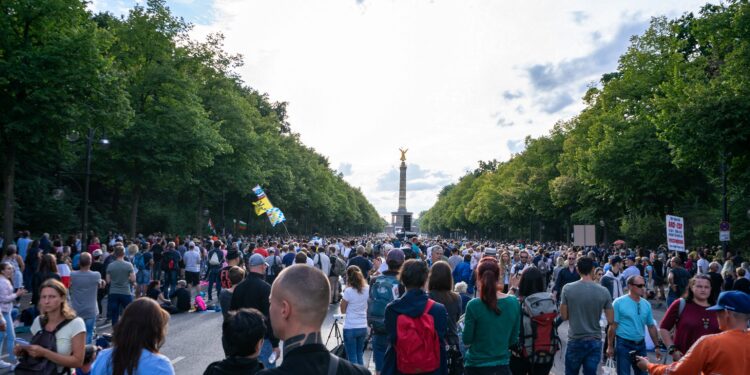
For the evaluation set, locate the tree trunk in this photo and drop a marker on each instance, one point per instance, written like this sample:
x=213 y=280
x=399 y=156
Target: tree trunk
x=134 y=210
x=9 y=175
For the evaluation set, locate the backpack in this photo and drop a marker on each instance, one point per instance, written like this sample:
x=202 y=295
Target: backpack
x=277 y=266
x=417 y=343
x=28 y=365
x=383 y=290
x=338 y=267
x=139 y=262
x=215 y=259
x=200 y=305
x=169 y=263
x=539 y=340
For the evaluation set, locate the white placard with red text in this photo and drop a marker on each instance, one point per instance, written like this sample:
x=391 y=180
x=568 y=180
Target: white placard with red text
x=675 y=233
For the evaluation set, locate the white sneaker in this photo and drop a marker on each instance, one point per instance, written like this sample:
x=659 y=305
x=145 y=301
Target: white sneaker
x=4 y=364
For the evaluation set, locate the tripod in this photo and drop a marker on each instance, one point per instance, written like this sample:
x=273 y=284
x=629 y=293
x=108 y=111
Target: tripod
x=335 y=330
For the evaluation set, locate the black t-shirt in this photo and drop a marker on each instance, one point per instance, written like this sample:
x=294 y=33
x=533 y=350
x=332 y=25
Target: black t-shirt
x=153 y=293
x=364 y=265
x=181 y=299
x=681 y=278
x=157 y=250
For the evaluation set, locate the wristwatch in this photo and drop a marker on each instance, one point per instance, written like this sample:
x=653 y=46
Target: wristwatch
x=671 y=349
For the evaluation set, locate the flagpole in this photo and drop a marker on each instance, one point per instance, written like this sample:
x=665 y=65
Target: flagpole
x=287 y=230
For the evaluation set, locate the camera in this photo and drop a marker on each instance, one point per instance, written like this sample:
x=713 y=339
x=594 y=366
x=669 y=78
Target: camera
x=338 y=316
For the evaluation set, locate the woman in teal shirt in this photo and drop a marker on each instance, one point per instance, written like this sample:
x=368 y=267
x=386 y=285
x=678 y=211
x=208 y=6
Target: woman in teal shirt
x=491 y=323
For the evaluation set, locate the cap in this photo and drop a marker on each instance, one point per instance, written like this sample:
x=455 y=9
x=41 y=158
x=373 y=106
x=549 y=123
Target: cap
x=256 y=260
x=615 y=259
x=733 y=300
x=233 y=254
x=395 y=254
x=631 y=257
x=97 y=253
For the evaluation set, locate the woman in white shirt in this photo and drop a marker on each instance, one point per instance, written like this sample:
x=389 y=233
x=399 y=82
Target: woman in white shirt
x=70 y=338
x=354 y=305
x=7 y=296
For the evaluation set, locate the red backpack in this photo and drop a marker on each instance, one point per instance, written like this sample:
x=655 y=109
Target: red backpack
x=417 y=343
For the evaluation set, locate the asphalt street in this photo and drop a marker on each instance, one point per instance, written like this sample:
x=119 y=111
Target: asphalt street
x=194 y=340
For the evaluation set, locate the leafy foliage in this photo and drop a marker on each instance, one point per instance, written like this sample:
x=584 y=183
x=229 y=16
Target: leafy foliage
x=649 y=142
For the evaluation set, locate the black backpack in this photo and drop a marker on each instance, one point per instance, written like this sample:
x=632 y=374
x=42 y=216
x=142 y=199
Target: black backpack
x=28 y=365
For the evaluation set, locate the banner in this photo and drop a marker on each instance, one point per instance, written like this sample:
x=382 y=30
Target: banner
x=675 y=233
x=242 y=225
x=275 y=216
x=262 y=205
x=259 y=192
x=211 y=227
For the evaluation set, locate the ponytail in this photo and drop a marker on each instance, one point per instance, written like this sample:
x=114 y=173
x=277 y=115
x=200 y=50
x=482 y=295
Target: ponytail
x=488 y=273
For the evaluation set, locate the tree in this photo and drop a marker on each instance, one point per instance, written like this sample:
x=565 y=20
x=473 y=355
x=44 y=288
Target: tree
x=55 y=79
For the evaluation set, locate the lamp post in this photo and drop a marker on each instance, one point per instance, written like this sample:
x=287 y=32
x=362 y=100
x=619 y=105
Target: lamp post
x=86 y=186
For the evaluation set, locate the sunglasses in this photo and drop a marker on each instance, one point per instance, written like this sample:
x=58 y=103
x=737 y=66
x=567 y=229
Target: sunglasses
x=638 y=285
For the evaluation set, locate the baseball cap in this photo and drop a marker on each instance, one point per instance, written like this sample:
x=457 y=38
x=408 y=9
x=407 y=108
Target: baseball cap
x=615 y=259
x=733 y=300
x=256 y=260
x=395 y=254
x=97 y=253
x=631 y=257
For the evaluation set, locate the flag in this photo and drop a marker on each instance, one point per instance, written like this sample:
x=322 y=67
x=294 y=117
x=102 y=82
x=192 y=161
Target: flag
x=275 y=216
x=262 y=205
x=211 y=227
x=242 y=225
x=259 y=192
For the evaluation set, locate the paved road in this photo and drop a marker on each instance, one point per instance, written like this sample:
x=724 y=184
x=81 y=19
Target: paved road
x=194 y=340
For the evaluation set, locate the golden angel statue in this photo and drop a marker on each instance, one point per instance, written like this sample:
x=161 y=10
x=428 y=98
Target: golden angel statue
x=403 y=154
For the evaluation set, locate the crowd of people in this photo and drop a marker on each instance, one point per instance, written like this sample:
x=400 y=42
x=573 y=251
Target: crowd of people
x=422 y=305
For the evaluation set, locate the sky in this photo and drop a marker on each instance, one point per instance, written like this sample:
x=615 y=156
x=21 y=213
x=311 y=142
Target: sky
x=454 y=81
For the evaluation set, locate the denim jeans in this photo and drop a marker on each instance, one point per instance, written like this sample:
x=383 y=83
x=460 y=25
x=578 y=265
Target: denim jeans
x=622 y=358
x=115 y=304
x=354 y=342
x=379 y=346
x=265 y=352
x=213 y=278
x=8 y=337
x=170 y=283
x=90 y=324
x=582 y=353
x=156 y=270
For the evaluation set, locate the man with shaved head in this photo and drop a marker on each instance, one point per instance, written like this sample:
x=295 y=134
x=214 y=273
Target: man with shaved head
x=299 y=304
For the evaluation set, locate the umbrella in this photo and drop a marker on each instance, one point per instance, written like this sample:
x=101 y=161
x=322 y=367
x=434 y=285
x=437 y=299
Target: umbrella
x=619 y=242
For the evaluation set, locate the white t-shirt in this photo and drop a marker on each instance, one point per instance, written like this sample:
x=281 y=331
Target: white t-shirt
x=192 y=260
x=64 y=337
x=356 y=309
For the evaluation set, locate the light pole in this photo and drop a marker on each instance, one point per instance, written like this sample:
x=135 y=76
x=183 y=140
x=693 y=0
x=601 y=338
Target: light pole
x=86 y=186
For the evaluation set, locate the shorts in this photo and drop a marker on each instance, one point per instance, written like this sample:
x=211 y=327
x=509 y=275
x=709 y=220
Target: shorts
x=143 y=277
x=192 y=278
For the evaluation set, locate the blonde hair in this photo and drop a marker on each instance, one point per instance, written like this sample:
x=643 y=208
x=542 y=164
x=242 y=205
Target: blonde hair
x=65 y=310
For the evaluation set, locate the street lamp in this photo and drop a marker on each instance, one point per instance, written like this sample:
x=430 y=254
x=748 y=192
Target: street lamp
x=86 y=188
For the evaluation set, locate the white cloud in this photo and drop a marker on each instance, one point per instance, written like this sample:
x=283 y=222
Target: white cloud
x=364 y=78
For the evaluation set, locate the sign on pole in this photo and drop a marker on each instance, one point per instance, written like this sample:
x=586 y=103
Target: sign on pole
x=675 y=233
x=584 y=235
x=724 y=231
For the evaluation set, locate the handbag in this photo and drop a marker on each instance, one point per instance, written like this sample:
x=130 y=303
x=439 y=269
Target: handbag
x=609 y=367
